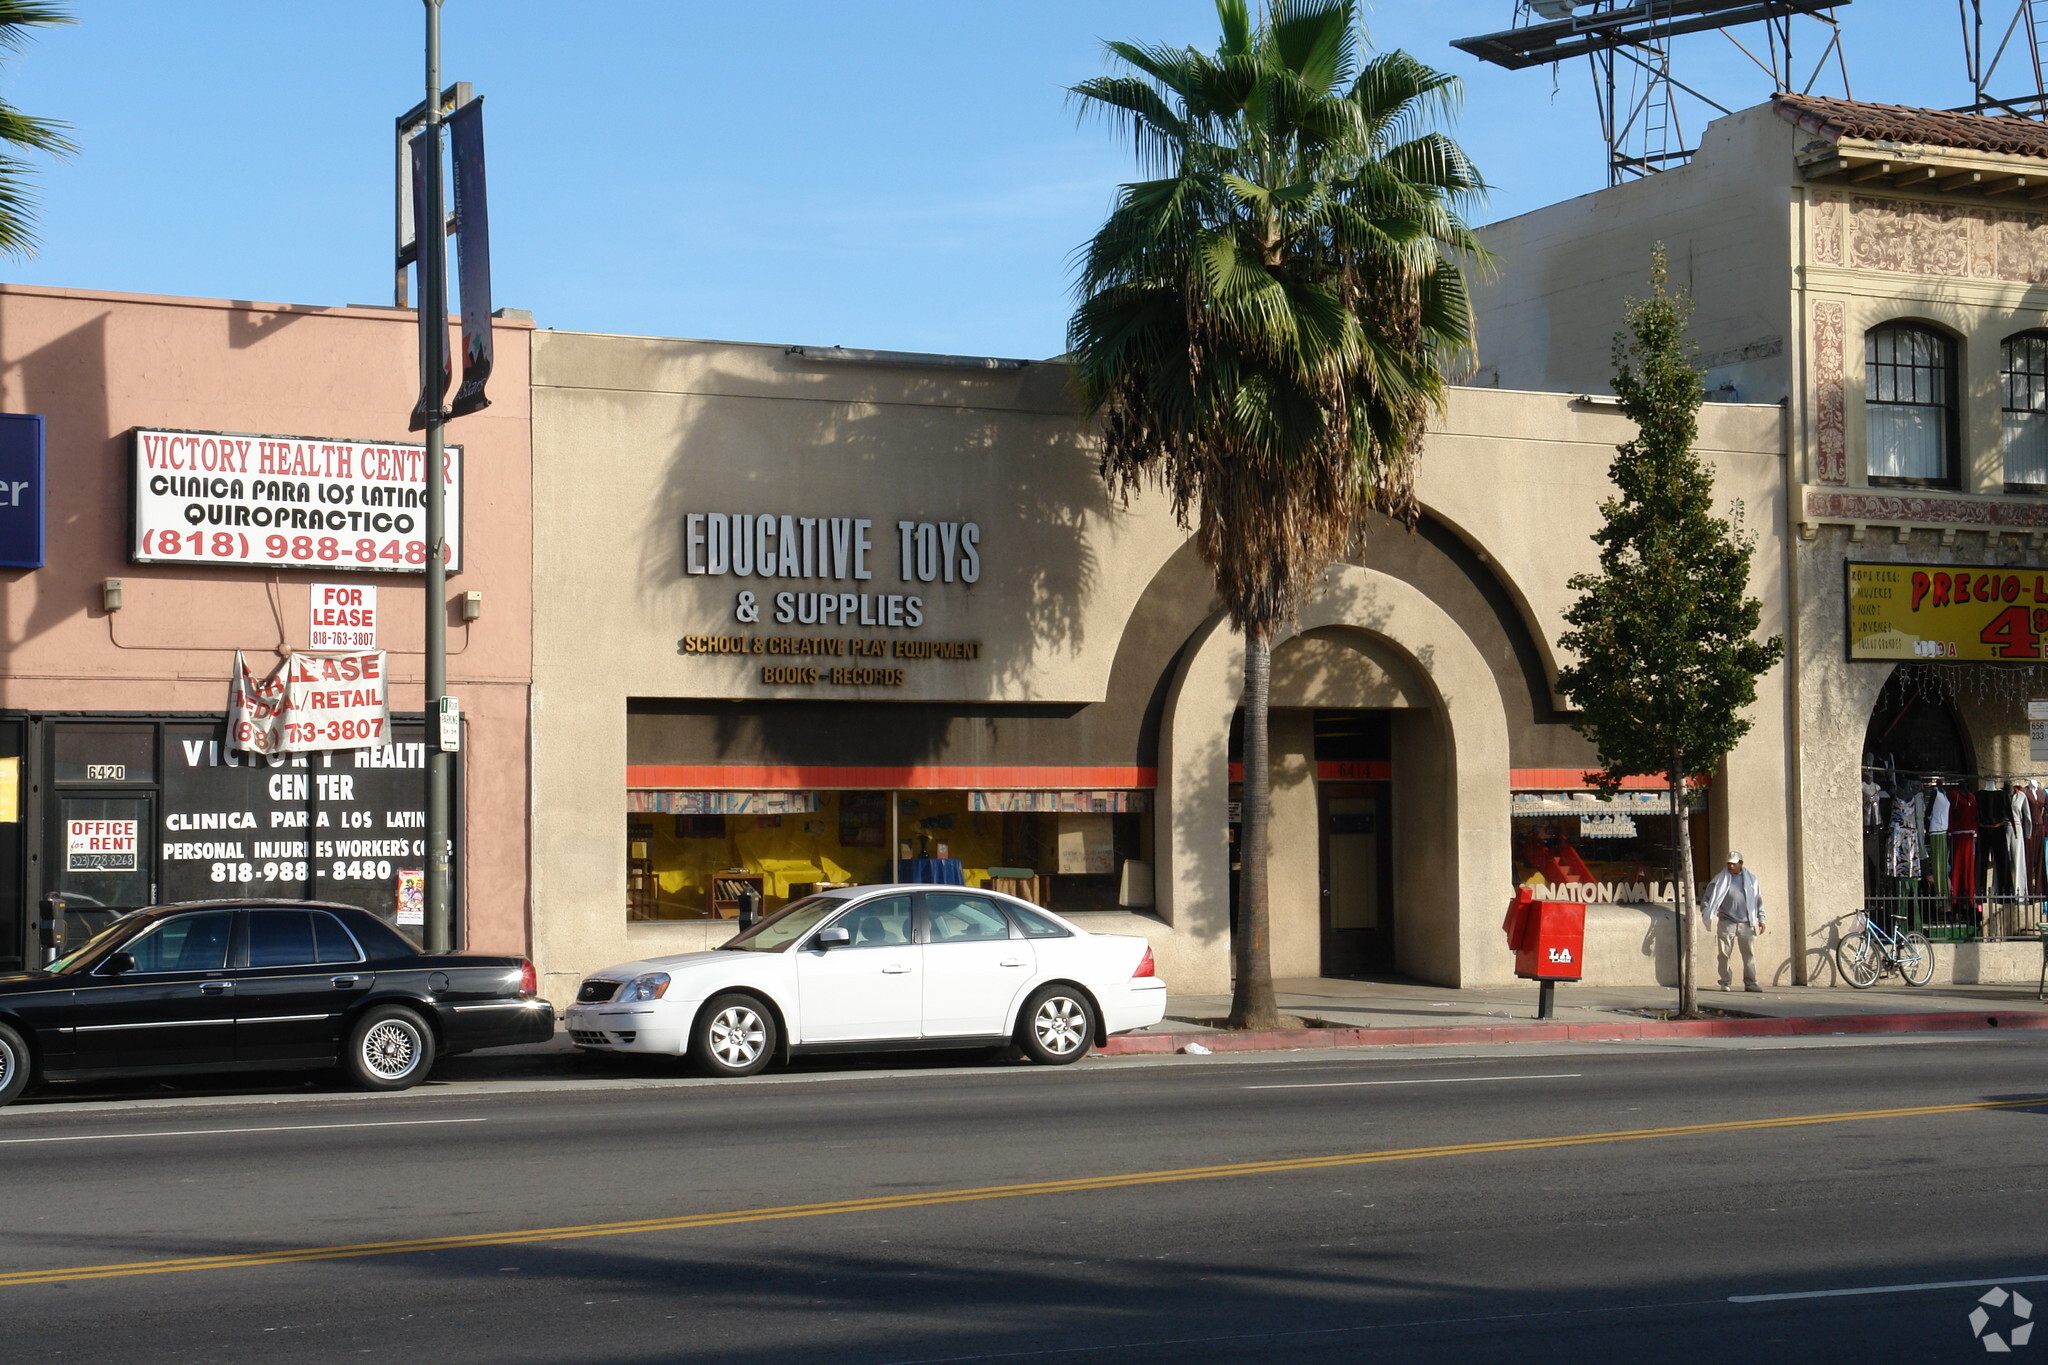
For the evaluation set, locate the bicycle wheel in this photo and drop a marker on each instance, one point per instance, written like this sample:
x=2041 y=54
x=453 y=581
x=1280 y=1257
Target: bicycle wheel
x=1916 y=959
x=1858 y=960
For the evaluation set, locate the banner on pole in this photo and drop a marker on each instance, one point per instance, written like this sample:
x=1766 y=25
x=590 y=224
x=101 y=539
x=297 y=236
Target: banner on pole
x=472 y=253
x=310 y=702
x=430 y=250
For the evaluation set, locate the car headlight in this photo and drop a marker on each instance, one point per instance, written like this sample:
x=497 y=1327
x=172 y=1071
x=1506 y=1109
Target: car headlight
x=652 y=986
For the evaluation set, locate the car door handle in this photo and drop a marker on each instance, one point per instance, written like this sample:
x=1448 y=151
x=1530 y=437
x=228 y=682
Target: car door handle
x=215 y=987
x=1013 y=962
x=894 y=969
x=346 y=980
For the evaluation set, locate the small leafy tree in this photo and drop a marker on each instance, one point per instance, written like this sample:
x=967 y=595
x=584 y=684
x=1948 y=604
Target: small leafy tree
x=1665 y=633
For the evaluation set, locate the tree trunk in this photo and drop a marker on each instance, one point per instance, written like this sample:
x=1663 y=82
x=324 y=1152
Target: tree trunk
x=1681 y=894
x=1251 y=993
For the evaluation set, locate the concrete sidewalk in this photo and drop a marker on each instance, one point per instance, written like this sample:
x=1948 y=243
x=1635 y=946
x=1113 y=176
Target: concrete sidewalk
x=1410 y=1004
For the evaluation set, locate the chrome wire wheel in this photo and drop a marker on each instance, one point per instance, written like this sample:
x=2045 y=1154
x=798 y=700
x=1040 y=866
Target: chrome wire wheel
x=14 y=1064
x=391 y=1049
x=738 y=1036
x=1060 y=1025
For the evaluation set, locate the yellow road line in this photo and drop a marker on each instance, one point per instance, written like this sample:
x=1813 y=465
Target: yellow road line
x=884 y=1203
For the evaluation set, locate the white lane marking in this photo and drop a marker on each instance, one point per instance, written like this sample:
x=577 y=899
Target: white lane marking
x=1426 y=1080
x=1887 y=1289
x=216 y=1132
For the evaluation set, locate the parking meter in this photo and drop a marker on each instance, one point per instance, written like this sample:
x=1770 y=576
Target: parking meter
x=750 y=908
x=50 y=927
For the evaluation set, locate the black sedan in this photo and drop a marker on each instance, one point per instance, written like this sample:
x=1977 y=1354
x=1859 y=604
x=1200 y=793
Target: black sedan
x=236 y=986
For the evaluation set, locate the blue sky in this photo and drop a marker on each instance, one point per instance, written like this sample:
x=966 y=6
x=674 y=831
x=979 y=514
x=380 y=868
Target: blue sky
x=899 y=174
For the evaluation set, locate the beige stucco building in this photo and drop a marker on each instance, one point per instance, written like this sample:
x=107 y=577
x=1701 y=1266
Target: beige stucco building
x=1881 y=273
x=798 y=607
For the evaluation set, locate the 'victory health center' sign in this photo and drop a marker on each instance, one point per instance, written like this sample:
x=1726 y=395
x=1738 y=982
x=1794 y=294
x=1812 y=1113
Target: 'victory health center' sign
x=204 y=497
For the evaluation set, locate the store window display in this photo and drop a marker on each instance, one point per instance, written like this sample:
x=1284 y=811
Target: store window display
x=1577 y=845
x=1070 y=851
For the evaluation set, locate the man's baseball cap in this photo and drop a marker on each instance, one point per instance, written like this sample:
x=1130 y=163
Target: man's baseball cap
x=1734 y=857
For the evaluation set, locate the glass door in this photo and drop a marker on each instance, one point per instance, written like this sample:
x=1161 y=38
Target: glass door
x=1357 y=868
x=104 y=850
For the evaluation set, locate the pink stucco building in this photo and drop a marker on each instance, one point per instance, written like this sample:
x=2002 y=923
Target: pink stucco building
x=112 y=697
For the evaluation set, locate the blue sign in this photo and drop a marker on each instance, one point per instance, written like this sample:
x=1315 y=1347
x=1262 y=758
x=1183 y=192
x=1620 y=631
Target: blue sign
x=21 y=491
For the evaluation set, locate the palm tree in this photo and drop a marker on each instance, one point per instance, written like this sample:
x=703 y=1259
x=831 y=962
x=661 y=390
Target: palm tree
x=24 y=131
x=1265 y=327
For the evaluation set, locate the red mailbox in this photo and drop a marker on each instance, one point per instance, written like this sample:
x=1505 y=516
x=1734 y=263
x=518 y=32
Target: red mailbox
x=1548 y=937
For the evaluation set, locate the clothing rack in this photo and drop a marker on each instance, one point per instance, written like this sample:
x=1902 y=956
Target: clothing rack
x=1960 y=856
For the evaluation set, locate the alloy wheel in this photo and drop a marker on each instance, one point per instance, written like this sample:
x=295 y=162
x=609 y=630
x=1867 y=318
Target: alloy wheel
x=390 y=1050
x=737 y=1036
x=8 y=1062
x=1060 y=1025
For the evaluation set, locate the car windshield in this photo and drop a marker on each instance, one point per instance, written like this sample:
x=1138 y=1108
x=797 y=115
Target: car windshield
x=93 y=945
x=785 y=926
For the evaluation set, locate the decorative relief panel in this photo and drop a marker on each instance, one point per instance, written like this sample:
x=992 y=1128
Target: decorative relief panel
x=1827 y=228
x=1909 y=237
x=1831 y=463
x=1906 y=507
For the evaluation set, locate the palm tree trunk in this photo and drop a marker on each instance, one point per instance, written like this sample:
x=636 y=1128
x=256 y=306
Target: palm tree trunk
x=1681 y=894
x=1251 y=994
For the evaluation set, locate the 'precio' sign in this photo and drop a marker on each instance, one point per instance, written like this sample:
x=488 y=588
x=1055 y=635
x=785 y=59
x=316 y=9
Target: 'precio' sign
x=204 y=497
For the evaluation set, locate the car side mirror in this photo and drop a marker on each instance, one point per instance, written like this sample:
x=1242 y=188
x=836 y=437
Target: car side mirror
x=117 y=963
x=832 y=938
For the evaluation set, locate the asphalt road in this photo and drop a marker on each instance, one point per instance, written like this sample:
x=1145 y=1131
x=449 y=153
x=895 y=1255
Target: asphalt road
x=1516 y=1206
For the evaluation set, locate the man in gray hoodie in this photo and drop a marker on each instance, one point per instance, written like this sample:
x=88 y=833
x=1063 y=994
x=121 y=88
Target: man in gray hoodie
x=1734 y=908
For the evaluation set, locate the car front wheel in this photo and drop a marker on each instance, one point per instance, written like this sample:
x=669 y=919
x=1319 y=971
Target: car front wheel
x=1056 y=1026
x=734 y=1036
x=390 y=1048
x=13 y=1064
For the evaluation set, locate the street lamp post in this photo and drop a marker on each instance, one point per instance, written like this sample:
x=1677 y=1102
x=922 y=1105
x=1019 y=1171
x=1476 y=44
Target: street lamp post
x=433 y=266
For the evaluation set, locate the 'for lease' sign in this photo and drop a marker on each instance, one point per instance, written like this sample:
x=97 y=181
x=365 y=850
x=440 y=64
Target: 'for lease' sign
x=344 y=616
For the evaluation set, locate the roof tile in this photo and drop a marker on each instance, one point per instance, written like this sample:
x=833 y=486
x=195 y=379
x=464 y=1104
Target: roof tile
x=1836 y=119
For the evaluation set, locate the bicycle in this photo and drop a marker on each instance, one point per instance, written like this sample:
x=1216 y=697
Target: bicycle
x=1871 y=952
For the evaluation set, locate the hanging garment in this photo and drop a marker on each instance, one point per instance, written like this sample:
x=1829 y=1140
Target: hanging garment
x=1962 y=827
x=1902 y=843
x=1994 y=813
x=1937 y=863
x=2037 y=849
x=2016 y=840
x=1873 y=805
x=1937 y=812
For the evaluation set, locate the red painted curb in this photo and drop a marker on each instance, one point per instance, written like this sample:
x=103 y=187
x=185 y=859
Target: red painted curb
x=1277 y=1040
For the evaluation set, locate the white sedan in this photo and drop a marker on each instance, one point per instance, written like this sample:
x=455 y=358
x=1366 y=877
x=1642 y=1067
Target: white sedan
x=872 y=967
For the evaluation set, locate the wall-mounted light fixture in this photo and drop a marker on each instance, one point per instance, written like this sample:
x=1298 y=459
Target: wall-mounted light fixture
x=110 y=594
x=472 y=606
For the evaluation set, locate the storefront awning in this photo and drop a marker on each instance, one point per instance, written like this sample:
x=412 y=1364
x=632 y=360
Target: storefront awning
x=720 y=803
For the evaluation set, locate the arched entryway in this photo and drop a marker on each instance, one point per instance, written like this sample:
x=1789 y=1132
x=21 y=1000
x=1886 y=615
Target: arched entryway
x=1367 y=642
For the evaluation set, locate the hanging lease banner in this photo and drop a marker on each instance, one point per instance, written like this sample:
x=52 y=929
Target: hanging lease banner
x=472 y=254
x=310 y=702
x=1979 y=612
x=287 y=502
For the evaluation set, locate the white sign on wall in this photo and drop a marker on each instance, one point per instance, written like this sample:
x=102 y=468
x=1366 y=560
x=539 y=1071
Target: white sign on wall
x=204 y=497
x=344 y=616
x=99 y=845
x=2037 y=731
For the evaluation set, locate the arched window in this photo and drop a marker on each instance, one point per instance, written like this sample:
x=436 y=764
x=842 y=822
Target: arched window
x=2023 y=367
x=1909 y=405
